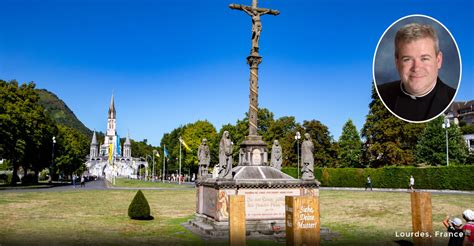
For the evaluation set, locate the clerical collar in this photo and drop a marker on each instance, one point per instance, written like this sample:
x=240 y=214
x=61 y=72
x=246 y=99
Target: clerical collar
x=415 y=97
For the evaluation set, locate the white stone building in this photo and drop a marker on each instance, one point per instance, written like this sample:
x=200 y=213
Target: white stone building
x=107 y=160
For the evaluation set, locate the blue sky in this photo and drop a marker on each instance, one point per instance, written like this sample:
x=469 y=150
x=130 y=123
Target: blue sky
x=170 y=63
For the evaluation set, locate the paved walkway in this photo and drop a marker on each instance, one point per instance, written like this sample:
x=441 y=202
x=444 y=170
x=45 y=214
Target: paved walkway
x=91 y=185
x=103 y=185
x=99 y=184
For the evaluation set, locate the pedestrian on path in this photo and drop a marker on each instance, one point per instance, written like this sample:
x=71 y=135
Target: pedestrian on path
x=412 y=183
x=369 y=183
x=83 y=181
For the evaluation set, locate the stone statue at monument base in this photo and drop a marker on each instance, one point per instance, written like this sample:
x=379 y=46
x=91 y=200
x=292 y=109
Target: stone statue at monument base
x=307 y=149
x=225 y=156
x=204 y=158
x=276 y=158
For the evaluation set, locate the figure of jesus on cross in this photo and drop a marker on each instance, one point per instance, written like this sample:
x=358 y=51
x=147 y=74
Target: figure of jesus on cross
x=255 y=13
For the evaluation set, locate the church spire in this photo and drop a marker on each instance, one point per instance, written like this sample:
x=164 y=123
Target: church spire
x=94 y=151
x=112 y=108
x=94 y=139
x=127 y=148
x=127 y=141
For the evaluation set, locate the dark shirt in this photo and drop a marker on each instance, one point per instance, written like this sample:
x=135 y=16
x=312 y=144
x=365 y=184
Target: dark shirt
x=418 y=108
x=457 y=238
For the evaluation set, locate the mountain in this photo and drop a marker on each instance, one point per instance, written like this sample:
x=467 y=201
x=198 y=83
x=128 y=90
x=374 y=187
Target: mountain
x=60 y=112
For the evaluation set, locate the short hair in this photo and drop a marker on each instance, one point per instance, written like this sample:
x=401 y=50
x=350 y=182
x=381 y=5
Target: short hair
x=415 y=31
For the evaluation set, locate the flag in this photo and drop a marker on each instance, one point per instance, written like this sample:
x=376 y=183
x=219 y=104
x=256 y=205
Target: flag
x=185 y=145
x=111 y=150
x=165 y=152
x=118 y=146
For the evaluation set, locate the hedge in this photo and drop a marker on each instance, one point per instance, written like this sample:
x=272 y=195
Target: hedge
x=439 y=178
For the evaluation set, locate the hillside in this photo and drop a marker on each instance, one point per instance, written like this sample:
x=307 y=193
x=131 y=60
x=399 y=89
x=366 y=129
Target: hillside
x=60 y=112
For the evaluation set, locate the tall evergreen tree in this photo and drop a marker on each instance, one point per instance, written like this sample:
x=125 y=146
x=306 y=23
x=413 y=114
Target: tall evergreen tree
x=350 y=146
x=431 y=148
x=388 y=140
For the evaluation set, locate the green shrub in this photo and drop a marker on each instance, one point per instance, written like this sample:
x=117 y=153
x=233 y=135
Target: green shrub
x=139 y=209
x=442 y=177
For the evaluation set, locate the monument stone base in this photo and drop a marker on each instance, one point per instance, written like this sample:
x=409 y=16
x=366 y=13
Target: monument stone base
x=264 y=188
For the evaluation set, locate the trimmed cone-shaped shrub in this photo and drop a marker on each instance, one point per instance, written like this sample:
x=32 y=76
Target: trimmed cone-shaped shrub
x=139 y=209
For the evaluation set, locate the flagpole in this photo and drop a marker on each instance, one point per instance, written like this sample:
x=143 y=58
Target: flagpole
x=164 y=156
x=153 y=169
x=179 y=177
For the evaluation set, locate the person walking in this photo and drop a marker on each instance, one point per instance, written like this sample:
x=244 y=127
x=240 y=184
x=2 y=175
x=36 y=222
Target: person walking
x=412 y=183
x=369 y=183
x=83 y=181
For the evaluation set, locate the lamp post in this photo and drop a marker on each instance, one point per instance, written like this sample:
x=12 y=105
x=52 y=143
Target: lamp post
x=52 y=162
x=446 y=125
x=179 y=175
x=153 y=169
x=164 y=163
x=297 y=138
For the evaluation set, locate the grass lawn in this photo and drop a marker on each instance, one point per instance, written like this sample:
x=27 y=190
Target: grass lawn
x=99 y=217
x=135 y=183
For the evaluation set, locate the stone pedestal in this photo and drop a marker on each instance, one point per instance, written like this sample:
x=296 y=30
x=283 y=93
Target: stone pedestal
x=264 y=188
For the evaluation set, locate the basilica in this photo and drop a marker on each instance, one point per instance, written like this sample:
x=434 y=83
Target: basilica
x=107 y=160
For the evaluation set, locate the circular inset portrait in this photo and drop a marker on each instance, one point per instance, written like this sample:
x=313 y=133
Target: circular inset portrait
x=417 y=68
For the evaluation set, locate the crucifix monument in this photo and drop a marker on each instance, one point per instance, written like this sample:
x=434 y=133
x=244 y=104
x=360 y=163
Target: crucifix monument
x=253 y=149
x=264 y=186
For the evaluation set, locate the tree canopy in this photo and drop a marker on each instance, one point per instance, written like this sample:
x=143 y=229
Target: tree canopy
x=25 y=130
x=350 y=146
x=388 y=140
x=431 y=148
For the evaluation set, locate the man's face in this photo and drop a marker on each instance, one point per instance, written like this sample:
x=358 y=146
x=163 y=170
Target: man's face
x=418 y=64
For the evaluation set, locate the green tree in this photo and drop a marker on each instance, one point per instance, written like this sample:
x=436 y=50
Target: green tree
x=25 y=130
x=350 y=146
x=72 y=147
x=431 y=148
x=467 y=129
x=140 y=148
x=192 y=136
x=170 y=140
x=388 y=140
x=240 y=130
x=284 y=130
x=265 y=120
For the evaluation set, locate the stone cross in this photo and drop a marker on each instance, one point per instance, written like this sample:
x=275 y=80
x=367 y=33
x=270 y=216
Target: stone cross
x=254 y=59
x=255 y=13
